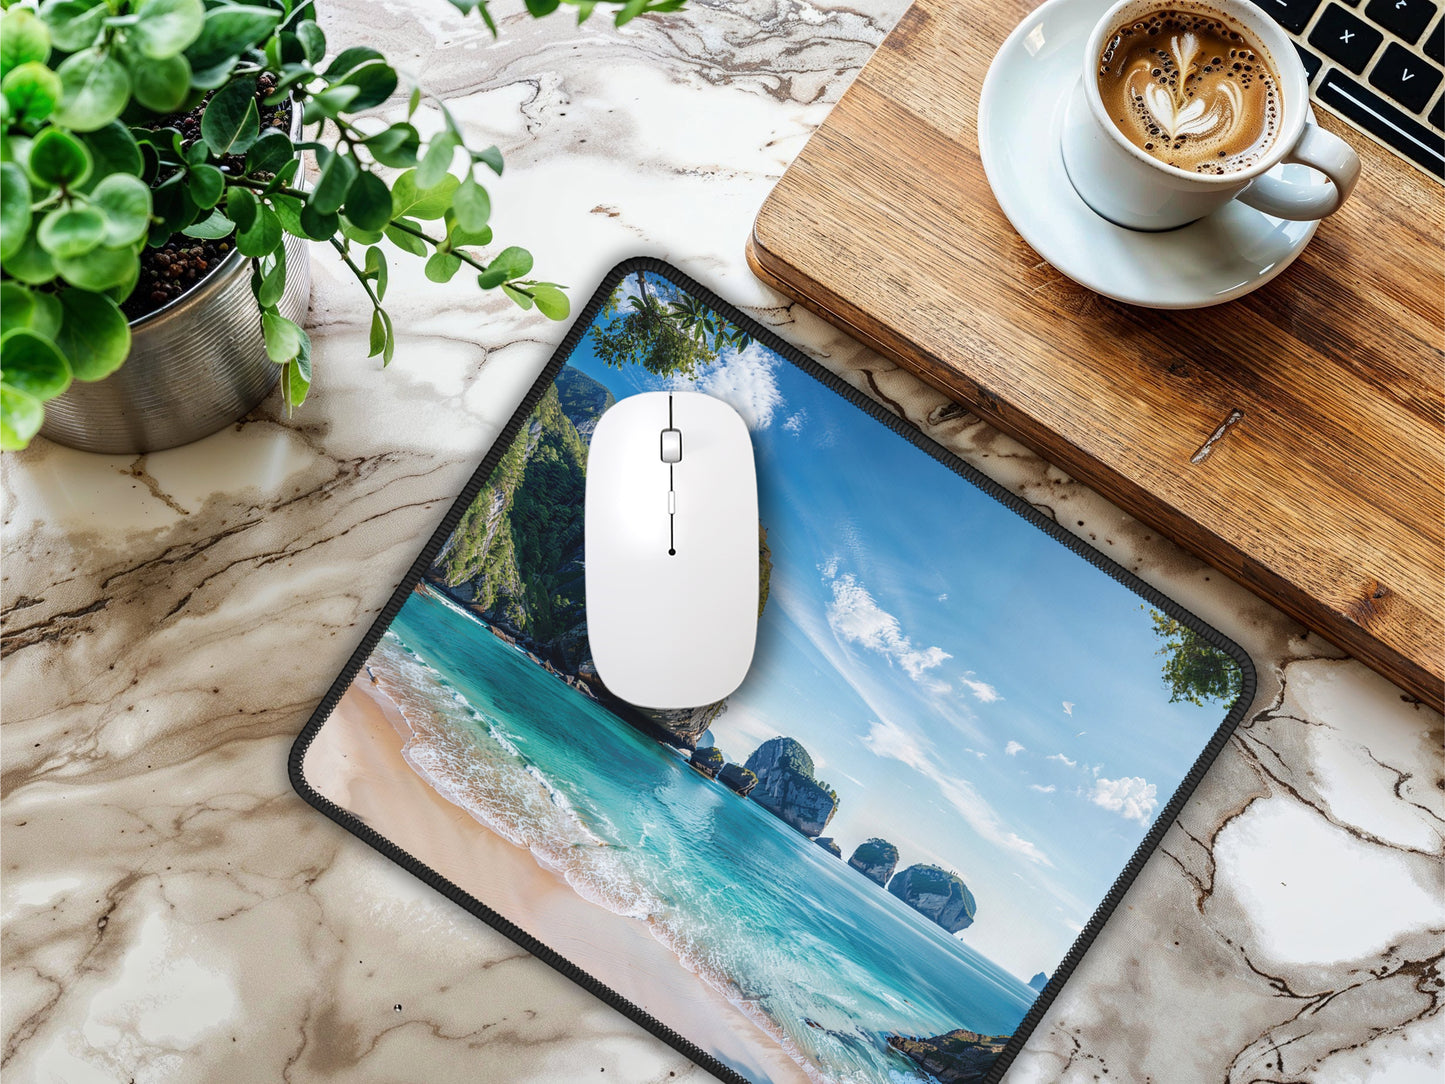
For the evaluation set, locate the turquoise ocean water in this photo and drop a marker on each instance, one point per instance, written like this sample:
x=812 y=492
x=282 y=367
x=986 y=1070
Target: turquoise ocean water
x=827 y=962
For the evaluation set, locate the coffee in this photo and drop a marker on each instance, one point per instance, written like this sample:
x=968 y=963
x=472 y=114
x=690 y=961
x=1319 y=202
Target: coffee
x=1188 y=87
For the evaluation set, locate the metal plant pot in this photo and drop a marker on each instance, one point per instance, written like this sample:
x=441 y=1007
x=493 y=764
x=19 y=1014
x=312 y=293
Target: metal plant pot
x=195 y=366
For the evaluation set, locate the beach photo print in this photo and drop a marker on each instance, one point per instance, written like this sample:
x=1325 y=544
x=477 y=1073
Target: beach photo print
x=867 y=863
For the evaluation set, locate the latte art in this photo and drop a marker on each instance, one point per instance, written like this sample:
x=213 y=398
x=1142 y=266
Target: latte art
x=1191 y=90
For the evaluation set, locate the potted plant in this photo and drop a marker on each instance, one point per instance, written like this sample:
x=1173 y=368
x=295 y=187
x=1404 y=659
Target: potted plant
x=153 y=208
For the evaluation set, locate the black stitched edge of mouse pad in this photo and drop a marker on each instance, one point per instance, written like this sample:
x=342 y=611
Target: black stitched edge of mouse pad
x=1001 y=724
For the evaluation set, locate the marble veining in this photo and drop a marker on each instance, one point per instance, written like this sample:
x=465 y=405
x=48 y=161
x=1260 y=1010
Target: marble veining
x=173 y=912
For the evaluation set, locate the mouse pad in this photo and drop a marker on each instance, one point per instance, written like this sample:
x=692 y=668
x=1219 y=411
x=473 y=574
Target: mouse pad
x=878 y=860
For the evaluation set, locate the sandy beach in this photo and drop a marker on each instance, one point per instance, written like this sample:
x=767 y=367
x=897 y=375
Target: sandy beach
x=356 y=761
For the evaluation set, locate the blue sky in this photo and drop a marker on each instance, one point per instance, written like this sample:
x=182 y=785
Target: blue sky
x=975 y=692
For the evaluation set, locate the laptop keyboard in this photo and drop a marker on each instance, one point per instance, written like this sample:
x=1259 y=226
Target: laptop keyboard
x=1378 y=64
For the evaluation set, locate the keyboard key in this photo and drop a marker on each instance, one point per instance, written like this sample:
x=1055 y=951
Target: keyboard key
x=1435 y=43
x=1381 y=119
x=1437 y=115
x=1312 y=63
x=1405 y=77
x=1293 y=15
x=1344 y=37
x=1408 y=18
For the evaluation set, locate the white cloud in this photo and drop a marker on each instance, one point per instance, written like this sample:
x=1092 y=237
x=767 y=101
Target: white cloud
x=1068 y=707
x=1043 y=790
x=943 y=597
x=1131 y=797
x=747 y=383
x=794 y=422
x=981 y=690
x=1013 y=748
x=976 y=752
x=888 y=739
x=855 y=617
x=1065 y=761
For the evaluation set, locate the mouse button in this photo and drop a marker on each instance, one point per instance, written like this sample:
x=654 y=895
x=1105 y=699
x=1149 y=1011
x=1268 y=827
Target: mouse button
x=671 y=445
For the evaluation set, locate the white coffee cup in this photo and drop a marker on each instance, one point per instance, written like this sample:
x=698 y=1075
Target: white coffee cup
x=1128 y=186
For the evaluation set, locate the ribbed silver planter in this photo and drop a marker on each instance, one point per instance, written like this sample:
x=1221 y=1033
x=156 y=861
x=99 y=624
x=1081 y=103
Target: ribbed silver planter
x=195 y=366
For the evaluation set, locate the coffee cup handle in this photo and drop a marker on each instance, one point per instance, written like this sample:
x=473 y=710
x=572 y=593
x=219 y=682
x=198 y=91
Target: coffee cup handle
x=1327 y=153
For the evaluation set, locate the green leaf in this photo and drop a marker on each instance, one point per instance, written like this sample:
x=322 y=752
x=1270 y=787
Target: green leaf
x=263 y=236
x=491 y=158
x=33 y=364
x=437 y=160
x=21 y=416
x=283 y=175
x=296 y=374
x=460 y=238
x=472 y=206
x=58 y=159
x=338 y=171
x=231 y=123
x=352 y=232
x=212 y=228
x=395 y=146
x=241 y=207
x=510 y=263
x=375 y=83
x=161 y=85
x=410 y=198
x=283 y=337
x=269 y=153
x=368 y=202
x=94 y=89
x=584 y=10
x=165 y=27
x=32 y=91
x=114 y=150
x=71 y=231
x=313 y=40
x=288 y=210
x=21 y=307
x=74 y=24
x=319 y=225
x=376 y=269
x=551 y=302
x=94 y=334
x=206 y=185
x=125 y=201
x=378 y=334
x=630 y=10
x=521 y=298
x=24 y=39
x=100 y=268
x=407 y=242
x=328 y=103
x=273 y=279
x=413 y=102
x=349 y=60
x=14 y=209
x=30 y=263
x=442 y=266
x=388 y=336
x=229 y=30
x=539 y=8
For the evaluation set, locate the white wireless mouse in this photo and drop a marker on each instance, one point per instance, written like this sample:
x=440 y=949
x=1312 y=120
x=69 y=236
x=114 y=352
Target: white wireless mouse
x=671 y=549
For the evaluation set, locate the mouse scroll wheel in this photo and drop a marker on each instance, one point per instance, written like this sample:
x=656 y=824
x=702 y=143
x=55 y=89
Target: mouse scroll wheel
x=671 y=445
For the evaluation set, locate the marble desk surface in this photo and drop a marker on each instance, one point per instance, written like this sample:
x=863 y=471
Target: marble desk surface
x=174 y=912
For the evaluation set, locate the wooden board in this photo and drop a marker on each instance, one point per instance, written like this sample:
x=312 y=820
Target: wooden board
x=1325 y=494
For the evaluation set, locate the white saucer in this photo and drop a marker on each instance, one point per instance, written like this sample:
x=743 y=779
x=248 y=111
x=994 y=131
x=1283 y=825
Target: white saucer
x=1222 y=256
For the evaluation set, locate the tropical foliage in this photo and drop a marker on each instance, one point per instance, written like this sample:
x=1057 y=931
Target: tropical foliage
x=93 y=168
x=1194 y=669
x=665 y=331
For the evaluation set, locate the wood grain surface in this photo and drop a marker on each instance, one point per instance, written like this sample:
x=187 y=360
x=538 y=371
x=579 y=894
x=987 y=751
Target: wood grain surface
x=1325 y=490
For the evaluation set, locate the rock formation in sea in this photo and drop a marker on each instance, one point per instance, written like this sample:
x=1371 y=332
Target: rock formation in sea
x=738 y=778
x=935 y=893
x=876 y=859
x=708 y=761
x=829 y=844
x=786 y=787
x=958 y=1057
x=1039 y=981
